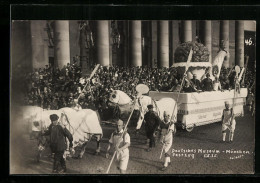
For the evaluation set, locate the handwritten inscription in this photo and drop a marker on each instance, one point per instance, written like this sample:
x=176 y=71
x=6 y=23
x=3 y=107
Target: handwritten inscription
x=236 y=152
x=208 y=153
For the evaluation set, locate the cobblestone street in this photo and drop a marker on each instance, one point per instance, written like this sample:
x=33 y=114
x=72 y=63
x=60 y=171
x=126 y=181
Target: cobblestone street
x=198 y=152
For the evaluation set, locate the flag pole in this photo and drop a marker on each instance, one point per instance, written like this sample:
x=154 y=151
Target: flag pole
x=92 y=74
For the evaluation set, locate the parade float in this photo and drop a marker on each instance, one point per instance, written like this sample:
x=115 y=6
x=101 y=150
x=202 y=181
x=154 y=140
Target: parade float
x=201 y=108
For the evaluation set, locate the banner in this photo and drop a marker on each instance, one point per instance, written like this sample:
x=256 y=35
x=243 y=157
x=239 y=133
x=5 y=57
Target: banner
x=217 y=63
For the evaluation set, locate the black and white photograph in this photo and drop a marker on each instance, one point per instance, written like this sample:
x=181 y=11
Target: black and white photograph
x=132 y=96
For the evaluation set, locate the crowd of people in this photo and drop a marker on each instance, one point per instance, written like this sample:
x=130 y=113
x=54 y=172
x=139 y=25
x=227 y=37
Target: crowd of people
x=53 y=88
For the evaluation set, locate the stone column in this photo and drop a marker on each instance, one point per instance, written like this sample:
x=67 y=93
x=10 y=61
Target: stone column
x=21 y=46
x=224 y=36
x=83 y=52
x=239 y=43
x=205 y=36
x=125 y=43
x=154 y=44
x=61 y=43
x=40 y=56
x=111 y=55
x=186 y=30
x=163 y=43
x=102 y=42
x=146 y=59
x=174 y=39
x=135 y=43
x=149 y=44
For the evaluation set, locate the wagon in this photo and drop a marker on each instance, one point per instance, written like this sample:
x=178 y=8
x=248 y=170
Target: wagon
x=196 y=109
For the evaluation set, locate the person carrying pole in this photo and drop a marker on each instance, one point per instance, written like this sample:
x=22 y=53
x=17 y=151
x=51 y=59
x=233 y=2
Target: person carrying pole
x=167 y=143
x=120 y=140
x=228 y=118
x=167 y=129
x=228 y=122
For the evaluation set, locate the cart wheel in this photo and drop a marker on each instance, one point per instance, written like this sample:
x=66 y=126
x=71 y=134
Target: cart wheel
x=189 y=128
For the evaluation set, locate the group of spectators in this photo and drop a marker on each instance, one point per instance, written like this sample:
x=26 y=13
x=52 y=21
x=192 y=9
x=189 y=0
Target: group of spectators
x=53 y=88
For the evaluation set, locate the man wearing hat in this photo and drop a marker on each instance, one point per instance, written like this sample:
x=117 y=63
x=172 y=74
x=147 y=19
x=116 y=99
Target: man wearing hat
x=152 y=122
x=58 y=142
x=120 y=141
x=167 y=129
x=228 y=122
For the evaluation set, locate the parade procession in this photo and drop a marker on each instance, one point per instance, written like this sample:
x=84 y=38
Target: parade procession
x=132 y=97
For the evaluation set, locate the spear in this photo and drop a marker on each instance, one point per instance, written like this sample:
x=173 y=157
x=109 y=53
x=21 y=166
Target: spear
x=121 y=137
x=233 y=115
x=186 y=69
x=244 y=75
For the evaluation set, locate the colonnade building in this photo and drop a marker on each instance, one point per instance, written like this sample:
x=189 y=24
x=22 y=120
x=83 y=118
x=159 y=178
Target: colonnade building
x=36 y=43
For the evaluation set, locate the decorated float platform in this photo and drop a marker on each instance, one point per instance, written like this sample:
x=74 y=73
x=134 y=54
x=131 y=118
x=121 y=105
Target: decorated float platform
x=196 y=109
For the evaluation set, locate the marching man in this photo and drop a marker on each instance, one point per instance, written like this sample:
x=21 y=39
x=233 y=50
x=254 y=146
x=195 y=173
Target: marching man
x=152 y=121
x=58 y=143
x=228 y=122
x=167 y=128
x=120 y=141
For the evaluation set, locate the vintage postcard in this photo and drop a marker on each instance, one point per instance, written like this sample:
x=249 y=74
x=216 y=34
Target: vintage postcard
x=132 y=96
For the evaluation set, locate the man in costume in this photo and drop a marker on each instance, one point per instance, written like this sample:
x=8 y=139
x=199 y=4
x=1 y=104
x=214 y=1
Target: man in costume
x=228 y=122
x=167 y=128
x=120 y=141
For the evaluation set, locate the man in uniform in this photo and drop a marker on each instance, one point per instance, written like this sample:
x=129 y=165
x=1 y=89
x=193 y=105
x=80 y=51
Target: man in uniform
x=152 y=122
x=167 y=129
x=228 y=122
x=120 y=140
x=207 y=84
x=58 y=143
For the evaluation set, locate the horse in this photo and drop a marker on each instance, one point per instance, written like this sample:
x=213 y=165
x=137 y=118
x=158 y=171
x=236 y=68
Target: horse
x=82 y=124
x=121 y=106
x=124 y=105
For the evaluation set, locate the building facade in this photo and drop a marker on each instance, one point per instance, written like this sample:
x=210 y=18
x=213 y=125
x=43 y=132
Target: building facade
x=35 y=44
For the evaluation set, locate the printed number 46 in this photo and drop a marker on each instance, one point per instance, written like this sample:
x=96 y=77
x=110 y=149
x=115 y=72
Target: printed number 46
x=248 y=42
